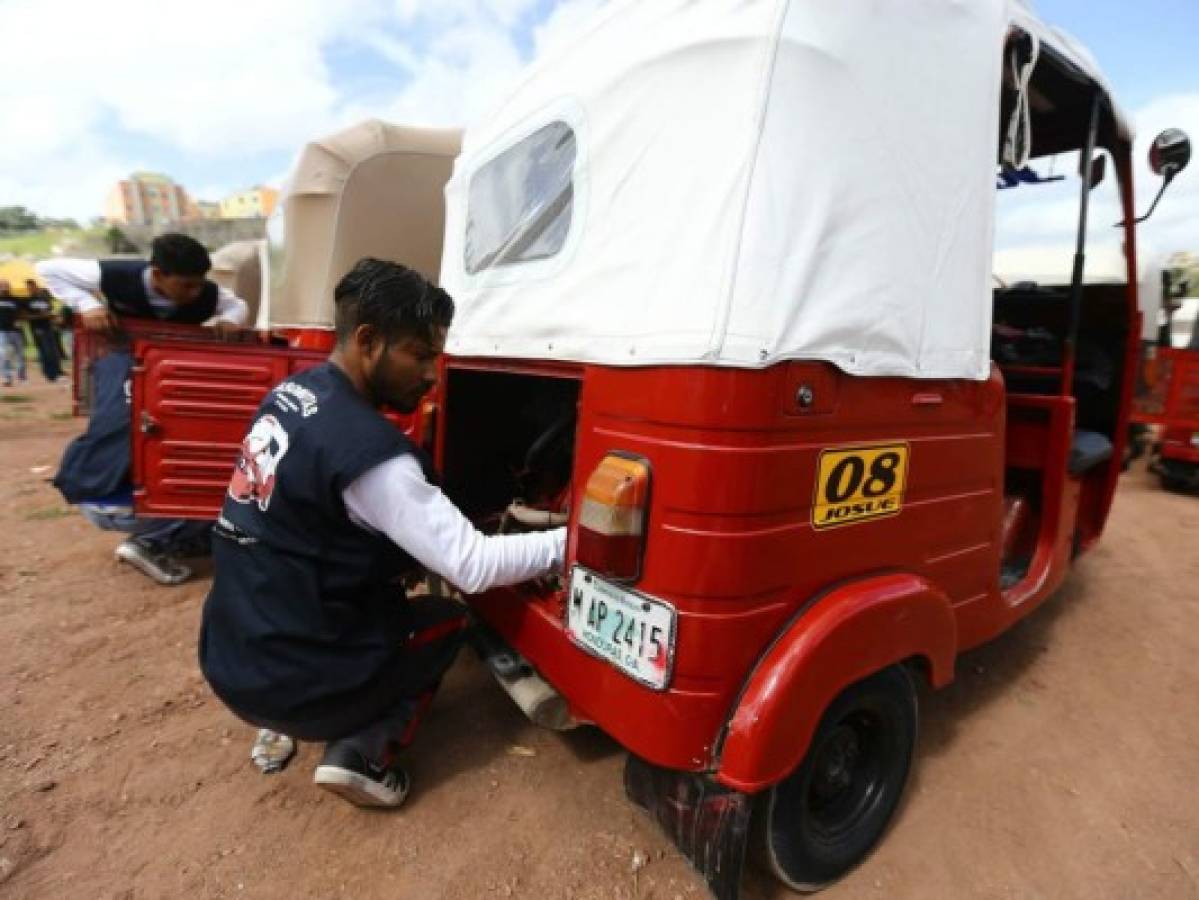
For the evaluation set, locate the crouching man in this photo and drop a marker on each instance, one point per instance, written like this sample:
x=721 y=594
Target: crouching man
x=307 y=630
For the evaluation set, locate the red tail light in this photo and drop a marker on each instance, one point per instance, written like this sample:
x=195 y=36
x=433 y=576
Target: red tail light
x=612 y=518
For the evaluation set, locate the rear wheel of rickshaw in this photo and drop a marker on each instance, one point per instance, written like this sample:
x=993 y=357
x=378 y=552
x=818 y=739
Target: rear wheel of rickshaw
x=1178 y=485
x=1178 y=477
x=826 y=816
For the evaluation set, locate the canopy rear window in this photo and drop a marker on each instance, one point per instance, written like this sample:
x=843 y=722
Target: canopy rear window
x=521 y=201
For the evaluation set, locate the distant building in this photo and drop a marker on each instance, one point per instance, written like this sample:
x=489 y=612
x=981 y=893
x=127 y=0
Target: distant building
x=148 y=198
x=207 y=210
x=256 y=202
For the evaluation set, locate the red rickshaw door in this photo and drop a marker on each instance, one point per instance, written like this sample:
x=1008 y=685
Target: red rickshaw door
x=192 y=403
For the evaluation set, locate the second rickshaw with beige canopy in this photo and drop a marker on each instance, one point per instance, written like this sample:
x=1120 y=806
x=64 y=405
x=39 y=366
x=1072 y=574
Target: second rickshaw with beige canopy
x=372 y=190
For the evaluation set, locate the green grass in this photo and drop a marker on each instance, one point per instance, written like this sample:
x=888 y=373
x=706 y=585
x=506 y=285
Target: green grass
x=15 y=398
x=40 y=244
x=62 y=415
x=35 y=243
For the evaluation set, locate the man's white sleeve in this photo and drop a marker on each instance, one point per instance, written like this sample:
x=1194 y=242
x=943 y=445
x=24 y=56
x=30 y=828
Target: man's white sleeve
x=396 y=499
x=74 y=282
x=230 y=307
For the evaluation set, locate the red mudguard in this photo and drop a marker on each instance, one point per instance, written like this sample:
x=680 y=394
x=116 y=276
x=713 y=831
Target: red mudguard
x=849 y=633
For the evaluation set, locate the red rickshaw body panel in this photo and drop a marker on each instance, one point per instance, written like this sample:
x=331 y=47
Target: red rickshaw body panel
x=1172 y=398
x=1172 y=402
x=88 y=346
x=730 y=538
x=848 y=634
x=1178 y=444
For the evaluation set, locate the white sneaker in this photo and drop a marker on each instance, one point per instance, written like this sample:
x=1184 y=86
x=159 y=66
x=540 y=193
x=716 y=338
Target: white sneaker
x=272 y=751
x=158 y=566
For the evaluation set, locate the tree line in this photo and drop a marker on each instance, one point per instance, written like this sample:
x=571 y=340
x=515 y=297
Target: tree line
x=18 y=219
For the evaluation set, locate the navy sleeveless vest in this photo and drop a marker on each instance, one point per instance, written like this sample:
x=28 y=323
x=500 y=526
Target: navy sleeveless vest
x=8 y=314
x=306 y=607
x=123 y=284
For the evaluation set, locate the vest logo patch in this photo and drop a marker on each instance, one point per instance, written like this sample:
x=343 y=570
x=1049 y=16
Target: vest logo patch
x=262 y=450
x=294 y=398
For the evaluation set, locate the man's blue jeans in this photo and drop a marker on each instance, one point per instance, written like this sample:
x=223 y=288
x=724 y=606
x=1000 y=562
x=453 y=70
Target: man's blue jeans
x=160 y=535
x=12 y=353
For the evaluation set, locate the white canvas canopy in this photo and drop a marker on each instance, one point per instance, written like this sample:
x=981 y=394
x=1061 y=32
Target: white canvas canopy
x=238 y=267
x=372 y=190
x=739 y=183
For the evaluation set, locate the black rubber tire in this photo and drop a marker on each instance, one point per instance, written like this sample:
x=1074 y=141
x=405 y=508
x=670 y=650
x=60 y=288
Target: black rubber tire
x=826 y=816
x=1175 y=484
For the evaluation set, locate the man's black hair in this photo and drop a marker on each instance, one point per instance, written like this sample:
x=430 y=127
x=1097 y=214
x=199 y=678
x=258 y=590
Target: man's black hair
x=178 y=254
x=396 y=300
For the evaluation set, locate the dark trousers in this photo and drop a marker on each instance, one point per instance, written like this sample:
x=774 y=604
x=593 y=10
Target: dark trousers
x=384 y=717
x=46 y=343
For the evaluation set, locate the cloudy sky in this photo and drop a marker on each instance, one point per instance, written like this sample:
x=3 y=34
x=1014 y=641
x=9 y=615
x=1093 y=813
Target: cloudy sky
x=1149 y=51
x=222 y=94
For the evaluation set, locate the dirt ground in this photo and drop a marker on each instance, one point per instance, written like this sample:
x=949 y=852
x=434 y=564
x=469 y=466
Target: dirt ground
x=1062 y=763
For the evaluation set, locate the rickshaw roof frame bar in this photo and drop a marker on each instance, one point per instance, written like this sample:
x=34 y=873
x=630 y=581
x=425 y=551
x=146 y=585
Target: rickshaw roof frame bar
x=1076 y=279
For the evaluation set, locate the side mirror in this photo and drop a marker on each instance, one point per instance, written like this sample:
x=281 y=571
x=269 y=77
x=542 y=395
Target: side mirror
x=1170 y=153
x=1098 y=172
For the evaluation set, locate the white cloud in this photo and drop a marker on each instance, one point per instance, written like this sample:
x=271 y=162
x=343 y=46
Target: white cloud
x=228 y=79
x=452 y=13
x=72 y=182
x=457 y=76
x=216 y=84
x=469 y=58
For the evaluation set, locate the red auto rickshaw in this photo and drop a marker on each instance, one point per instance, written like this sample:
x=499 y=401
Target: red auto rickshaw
x=724 y=306
x=1171 y=402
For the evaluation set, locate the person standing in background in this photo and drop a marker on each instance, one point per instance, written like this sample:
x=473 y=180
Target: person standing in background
x=12 y=344
x=39 y=313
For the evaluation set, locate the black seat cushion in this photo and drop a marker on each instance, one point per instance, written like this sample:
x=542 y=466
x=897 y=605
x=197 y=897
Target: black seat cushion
x=1088 y=449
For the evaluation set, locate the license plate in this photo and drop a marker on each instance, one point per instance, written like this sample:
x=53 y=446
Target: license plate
x=627 y=629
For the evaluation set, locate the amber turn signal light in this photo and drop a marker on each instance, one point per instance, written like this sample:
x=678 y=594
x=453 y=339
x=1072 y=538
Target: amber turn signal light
x=612 y=517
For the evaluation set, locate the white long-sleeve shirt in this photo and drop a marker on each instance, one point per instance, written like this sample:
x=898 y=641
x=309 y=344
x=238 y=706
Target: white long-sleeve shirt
x=76 y=282
x=396 y=499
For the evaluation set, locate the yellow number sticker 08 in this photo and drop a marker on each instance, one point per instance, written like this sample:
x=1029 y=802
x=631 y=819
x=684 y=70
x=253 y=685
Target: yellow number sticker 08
x=856 y=484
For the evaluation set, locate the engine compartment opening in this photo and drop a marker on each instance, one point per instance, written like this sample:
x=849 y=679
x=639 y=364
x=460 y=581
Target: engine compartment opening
x=509 y=447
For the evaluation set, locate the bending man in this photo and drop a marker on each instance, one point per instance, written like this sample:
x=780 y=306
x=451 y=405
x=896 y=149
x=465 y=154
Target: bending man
x=95 y=469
